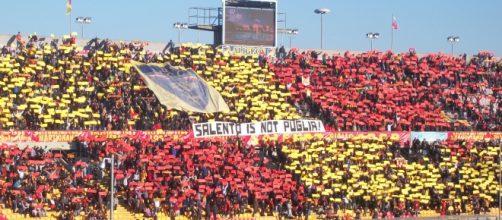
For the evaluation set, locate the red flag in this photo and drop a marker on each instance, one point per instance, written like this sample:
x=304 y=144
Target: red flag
x=394 y=23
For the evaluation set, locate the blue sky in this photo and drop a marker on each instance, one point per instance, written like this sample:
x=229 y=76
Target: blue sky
x=423 y=24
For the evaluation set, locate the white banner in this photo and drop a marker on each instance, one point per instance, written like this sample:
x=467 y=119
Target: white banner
x=218 y=129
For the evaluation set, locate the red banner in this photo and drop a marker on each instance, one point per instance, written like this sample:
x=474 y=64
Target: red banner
x=69 y=136
x=474 y=136
x=403 y=137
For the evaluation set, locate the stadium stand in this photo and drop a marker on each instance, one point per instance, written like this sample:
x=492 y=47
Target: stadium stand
x=41 y=182
x=378 y=91
x=50 y=86
x=377 y=177
x=365 y=176
x=189 y=178
x=66 y=88
x=63 y=87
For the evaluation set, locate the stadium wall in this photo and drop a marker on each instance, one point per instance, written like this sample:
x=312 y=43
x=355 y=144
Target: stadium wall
x=157 y=47
x=152 y=46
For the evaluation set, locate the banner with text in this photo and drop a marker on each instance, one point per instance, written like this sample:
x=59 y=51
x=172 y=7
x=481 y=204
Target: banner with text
x=214 y=129
x=282 y=128
x=403 y=137
x=69 y=136
x=429 y=136
x=249 y=50
x=474 y=136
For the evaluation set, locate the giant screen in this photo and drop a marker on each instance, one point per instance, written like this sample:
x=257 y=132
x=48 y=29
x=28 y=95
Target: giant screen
x=251 y=23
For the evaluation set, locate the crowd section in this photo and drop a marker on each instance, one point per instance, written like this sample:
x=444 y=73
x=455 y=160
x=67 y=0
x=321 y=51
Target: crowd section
x=50 y=86
x=376 y=177
x=297 y=176
x=35 y=182
x=244 y=82
x=382 y=91
x=201 y=179
x=55 y=86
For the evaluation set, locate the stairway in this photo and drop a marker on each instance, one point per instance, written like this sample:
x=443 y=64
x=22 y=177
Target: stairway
x=7 y=212
x=122 y=213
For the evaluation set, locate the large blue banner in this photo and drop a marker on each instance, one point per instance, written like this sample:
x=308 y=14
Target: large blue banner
x=181 y=89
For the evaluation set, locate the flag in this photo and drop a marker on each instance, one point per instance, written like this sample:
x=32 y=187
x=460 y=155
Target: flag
x=181 y=89
x=394 y=23
x=68 y=7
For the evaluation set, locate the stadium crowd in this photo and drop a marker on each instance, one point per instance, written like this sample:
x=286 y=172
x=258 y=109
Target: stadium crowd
x=222 y=177
x=34 y=181
x=382 y=91
x=293 y=176
x=64 y=87
x=377 y=177
x=61 y=87
x=51 y=86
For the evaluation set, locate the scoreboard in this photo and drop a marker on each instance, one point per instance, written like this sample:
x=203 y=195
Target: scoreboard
x=250 y=22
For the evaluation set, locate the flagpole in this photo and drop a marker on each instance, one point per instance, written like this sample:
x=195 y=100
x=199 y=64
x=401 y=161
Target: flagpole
x=391 y=32
x=70 y=23
x=69 y=11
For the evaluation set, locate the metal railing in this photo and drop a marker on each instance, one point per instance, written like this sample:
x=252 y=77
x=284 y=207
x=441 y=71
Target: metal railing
x=205 y=16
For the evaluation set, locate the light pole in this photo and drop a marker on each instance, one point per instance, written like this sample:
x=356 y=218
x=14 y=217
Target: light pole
x=179 y=26
x=83 y=21
x=112 y=181
x=453 y=40
x=372 y=36
x=322 y=12
x=291 y=33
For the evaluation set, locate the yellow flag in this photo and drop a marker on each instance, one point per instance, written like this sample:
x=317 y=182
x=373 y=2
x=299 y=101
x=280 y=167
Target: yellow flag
x=68 y=7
